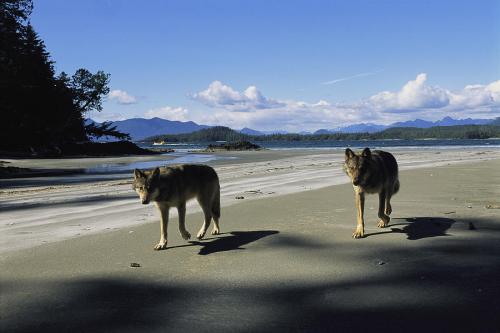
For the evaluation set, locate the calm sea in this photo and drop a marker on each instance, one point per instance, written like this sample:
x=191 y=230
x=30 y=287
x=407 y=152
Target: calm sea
x=336 y=144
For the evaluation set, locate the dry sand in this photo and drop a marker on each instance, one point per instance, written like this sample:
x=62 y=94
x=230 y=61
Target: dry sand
x=285 y=263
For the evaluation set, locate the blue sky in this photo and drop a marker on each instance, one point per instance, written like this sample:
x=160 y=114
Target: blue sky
x=294 y=65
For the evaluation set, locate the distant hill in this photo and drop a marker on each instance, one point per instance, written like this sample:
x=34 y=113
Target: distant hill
x=440 y=132
x=495 y=122
x=140 y=128
x=220 y=133
x=367 y=128
x=274 y=132
x=249 y=131
x=417 y=123
x=446 y=121
x=211 y=134
x=356 y=128
x=323 y=131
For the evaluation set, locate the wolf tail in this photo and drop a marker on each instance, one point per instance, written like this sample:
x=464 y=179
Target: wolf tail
x=396 y=186
x=216 y=204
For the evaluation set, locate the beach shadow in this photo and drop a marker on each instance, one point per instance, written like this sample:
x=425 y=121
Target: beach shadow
x=420 y=227
x=72 y=202
x=439 y=276
x=234 y=241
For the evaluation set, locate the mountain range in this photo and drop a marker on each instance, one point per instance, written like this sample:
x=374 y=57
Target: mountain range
x=140 y=128
x=419 y=123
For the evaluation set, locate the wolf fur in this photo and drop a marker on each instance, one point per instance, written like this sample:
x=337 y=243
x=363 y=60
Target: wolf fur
x=372 y=172
x=172 y=187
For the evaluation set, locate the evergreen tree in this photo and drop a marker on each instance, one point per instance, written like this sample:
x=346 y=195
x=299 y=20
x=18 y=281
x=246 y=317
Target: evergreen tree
x=40 y=110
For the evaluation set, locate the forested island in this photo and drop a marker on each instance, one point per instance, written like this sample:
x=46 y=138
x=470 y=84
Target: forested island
x=233 y=146
x=220 y=133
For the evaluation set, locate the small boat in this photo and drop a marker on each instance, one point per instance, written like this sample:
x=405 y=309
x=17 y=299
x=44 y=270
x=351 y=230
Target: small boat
x=160 y=143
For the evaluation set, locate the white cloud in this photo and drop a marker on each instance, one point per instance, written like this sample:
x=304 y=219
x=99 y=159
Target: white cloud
x=293 y=116
x=121 y=97
x=251 y=108
x=169 y=113
x=475 y=96
x=220 y=95
x=414 y=95
x=415 y=99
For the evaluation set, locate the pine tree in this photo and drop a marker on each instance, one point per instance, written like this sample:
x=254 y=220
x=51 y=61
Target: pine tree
x=38 y=109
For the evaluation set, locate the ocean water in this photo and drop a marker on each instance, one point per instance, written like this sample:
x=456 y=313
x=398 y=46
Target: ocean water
x=180 y=158
x=342 y=144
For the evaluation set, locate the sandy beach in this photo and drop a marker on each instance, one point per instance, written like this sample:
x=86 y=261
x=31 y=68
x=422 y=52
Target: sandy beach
x=36 y=211
x=285 y=261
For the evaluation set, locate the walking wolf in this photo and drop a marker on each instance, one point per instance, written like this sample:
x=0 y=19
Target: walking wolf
x=172 y=187
x=372 y=172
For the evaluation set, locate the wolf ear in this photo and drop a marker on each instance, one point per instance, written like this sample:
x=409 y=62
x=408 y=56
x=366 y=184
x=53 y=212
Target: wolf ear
x=138 y=174
x=348 y=153
x=156 y=173
x=366 y=152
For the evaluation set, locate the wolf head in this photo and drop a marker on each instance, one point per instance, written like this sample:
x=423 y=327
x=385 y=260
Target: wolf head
x=357 y=166
x=146 y=184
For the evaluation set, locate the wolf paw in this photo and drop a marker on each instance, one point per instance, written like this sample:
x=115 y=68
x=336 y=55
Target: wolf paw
x=160 y=246
x=358 y=234
x=186 y=235
x=215 y=232
x=382 y=224
x=201 y=234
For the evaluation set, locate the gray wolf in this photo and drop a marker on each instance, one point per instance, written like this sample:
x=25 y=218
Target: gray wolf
x=172 y=187
x=372 y=172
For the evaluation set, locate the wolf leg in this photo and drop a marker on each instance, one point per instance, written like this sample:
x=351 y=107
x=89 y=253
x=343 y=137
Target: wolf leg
x=162 y=244
x=388 y=207
x=384 y=219
x=216 y=229
x=182 y=221
x=208 y=217
x=360 y=205
x=216 y=213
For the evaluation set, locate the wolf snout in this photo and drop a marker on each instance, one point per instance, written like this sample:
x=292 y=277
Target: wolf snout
x=145 y=202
